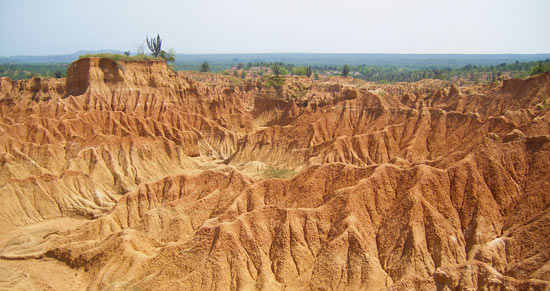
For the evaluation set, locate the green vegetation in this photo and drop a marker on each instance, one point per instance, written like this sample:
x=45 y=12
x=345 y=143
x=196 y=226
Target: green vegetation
x=409 y=61
x=119 y=57
x=235 y=82
x=154 y=45
x=282 y=173
x=301 y=70
x=544 y=103
x=205 y=67
x=298 y=71
x=378 y=68
x=27 y=71
x=540 y=67
x=375 y=73
x=391 y=74
x=471 y=73
x=345 y=70
x=276 y=82
x=169 y=56
x=276 y=67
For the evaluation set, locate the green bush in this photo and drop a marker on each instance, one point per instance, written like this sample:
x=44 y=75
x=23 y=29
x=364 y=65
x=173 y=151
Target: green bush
x=299 y=71
x=169 y=56
x=205 y=67
x=540 y=67
x=345 y=70
x=27 y=71
x=276 y=82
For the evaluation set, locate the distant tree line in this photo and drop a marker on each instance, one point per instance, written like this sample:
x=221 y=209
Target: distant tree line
x=27 y=71
x=381 y=74
x=393 y=74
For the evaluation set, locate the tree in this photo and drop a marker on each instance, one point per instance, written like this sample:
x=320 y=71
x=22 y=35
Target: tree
x=127 y=53
x=300 y=71
x=345 y=71
x=276 y=69
x=205 y=67
x=154 y=45
x=243 y=74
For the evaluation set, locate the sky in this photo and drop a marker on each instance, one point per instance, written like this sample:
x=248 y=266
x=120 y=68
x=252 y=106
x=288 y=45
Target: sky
x=37 y=27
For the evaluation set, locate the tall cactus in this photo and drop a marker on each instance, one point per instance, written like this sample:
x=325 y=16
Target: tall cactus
x=154 y=45
x=309 y=71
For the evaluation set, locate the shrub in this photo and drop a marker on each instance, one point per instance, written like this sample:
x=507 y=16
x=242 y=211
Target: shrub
x=299 y=71
x=276 y=82
x=540 y=67
x=169 y=56
x=345 y=71
x=205 y=67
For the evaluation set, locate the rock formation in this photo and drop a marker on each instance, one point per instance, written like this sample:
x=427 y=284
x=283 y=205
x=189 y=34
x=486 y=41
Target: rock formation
x=130 y=176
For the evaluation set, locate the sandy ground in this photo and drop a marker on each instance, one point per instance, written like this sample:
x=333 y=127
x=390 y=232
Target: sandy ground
x=41 y=273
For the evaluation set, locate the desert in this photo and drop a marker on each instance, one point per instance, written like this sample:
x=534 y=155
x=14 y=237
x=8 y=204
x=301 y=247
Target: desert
x=127 y=175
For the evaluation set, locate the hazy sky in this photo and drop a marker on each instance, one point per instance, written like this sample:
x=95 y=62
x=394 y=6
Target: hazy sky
x=261 y=26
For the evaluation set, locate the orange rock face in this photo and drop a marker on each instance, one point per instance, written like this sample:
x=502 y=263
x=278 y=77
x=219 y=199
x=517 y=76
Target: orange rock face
x=129 y=176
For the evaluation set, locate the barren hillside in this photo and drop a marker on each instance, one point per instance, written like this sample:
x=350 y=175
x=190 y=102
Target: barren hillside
x=130 y=176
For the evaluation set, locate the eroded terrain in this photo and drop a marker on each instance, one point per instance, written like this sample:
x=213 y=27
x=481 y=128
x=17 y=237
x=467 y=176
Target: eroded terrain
x=129 y=176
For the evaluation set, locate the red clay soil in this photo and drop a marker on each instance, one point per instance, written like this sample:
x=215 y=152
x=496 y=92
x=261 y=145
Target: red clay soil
x=130 y=176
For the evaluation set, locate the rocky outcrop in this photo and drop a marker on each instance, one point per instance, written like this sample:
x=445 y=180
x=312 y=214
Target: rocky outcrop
x=164 y=179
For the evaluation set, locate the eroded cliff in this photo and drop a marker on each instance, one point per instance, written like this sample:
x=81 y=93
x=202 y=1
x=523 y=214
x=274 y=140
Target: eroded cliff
x=129 y=175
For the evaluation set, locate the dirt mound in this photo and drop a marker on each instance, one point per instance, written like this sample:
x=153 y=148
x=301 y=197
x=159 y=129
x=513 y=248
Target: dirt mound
x=132 y=176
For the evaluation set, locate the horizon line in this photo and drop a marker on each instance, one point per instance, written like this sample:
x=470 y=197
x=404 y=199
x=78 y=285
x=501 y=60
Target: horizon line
x=284 y=53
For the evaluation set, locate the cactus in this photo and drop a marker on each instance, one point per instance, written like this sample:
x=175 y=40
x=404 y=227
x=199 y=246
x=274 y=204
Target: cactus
x=309 y=71
x=154 y=45
x=276 y=69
